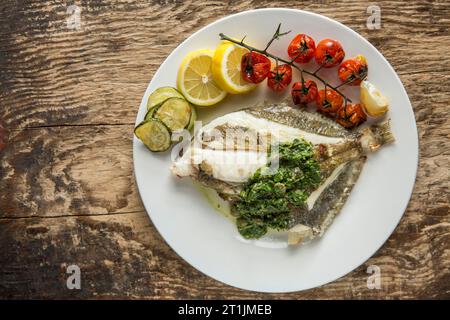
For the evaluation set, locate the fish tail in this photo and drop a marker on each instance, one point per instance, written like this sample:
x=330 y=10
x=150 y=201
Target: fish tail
x=383 y=132
x=377 y=135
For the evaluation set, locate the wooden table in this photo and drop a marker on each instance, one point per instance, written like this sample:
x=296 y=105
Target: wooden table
x=68 y=101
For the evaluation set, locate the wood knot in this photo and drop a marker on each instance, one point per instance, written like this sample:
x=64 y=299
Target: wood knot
x=3 y=137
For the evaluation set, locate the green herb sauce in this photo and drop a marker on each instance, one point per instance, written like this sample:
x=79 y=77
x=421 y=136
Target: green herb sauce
x=267 y=200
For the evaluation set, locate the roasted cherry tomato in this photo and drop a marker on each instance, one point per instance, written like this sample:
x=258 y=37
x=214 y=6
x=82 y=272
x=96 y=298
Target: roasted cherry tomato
x=280 y=77
x=329 y=53
x=302 y=48
x=304 y=93
x=353 y=70
x=351 y=115
x=255 y=67
x=329 y=104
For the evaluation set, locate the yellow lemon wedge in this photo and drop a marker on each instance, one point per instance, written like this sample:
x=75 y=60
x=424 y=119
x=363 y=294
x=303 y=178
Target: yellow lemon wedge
x=195 y=80
x=226 y=68
x=373 y=102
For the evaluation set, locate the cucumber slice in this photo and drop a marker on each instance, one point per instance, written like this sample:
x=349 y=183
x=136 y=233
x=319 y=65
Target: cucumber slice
x=154 y=134
x=150 y=113
x=161 y=94
x=175 y=113
x=193 y=118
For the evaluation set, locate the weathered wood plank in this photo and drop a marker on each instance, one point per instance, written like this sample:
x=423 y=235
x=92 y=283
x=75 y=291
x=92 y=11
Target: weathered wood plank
x=73 y=170
x=68 y=170
x=52 y=75
x=123 y=256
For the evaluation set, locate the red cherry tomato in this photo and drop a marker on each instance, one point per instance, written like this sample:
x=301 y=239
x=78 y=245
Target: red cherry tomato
x=329 y=53
x=280 y=77
x=255 y=67
x=353 y=70
x=302 y=48
x=304 y=93
x=329 y=104
x=351 y=115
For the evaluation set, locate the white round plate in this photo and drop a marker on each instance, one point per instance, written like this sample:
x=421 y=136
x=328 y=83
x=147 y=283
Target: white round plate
x=209 y=242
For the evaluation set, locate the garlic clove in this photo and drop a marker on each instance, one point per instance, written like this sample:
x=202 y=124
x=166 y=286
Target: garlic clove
x=374 y=103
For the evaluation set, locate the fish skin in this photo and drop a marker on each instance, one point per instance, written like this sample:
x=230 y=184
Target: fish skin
x=331 y=200
x=347 y=155
x=328 y=165
x=299 y=118
x=228 y=191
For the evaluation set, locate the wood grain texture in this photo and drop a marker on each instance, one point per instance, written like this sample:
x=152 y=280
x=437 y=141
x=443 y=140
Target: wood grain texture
x=68 y=99
x=68 y=170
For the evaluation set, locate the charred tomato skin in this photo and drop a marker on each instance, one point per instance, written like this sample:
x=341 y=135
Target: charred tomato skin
x=329 y=53
x=255 y=67
x=351 y=115
x=302 y=48
x=354 y=68
x=280 y=77
x=328 y=101
x=303 y=93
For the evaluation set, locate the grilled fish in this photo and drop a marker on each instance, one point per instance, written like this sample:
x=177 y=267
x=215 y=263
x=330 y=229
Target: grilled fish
x=225 y=155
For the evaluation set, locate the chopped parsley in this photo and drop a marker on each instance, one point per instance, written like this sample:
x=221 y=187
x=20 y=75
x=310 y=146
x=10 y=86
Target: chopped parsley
x=267 y=200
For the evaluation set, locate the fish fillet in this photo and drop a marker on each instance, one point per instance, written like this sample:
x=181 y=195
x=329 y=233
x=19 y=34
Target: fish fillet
x=226 y=153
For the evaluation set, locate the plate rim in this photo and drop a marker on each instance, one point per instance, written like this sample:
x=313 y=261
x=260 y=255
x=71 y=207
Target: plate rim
x=397 y=78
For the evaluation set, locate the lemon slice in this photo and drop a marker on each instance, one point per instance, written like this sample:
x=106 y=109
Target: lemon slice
x=373 y=102
x=226 y=68
x=195 y=80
